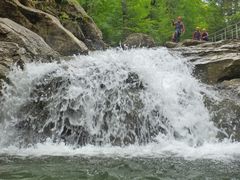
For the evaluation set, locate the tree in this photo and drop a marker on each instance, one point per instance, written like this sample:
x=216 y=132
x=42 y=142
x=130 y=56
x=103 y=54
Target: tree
x=119 y=18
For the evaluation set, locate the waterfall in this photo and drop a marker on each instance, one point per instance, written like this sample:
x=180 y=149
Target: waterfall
x=114 y=98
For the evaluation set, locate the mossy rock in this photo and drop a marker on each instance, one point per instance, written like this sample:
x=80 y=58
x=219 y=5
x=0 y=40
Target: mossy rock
x=63 y=16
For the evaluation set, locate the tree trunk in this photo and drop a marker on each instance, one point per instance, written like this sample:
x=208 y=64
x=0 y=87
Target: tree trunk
x=236 y=6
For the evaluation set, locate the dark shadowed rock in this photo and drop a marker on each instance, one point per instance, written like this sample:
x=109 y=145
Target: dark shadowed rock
x=49 y=113
x=139 y=40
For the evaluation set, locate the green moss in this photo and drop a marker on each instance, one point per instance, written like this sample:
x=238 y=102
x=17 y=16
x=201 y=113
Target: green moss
x=63 y=16
x=86 y=19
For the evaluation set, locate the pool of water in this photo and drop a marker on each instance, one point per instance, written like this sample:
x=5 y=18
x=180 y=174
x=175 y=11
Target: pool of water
x=75 y=167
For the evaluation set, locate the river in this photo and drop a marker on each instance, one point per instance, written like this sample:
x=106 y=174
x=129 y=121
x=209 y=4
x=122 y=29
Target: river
x=134 y=114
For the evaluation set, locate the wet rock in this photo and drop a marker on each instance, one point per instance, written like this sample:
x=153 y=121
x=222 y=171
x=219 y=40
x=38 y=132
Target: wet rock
x=225 y=114
x=117 y=117
x=139 y=40
x=218 y=64
x=134 y=81
x=232 y=86
x=10 y=53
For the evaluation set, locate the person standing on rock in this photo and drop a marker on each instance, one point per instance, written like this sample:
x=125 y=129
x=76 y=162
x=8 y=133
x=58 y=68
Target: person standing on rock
x=197 y=34
x=205 y=35
x=179 y=29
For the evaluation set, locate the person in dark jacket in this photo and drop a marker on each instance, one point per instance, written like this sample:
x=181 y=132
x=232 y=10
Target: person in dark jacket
x=205 y=35
x=197 y=34
x=179 y=29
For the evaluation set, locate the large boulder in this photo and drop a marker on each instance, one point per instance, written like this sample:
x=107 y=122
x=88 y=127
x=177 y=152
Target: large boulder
x=139 y=40
x=117 y=119
x=45 y=25
x=19 y=45
x=34 y=46
x=10 y=53
x=75 y=19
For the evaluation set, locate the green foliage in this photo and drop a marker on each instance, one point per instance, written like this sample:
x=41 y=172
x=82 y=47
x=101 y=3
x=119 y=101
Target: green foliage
x=234 y=18
x=154 y=17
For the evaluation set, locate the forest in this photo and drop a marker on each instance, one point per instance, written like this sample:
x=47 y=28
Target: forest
x=119 y=18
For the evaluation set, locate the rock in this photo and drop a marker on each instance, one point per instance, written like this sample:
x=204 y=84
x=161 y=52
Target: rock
x=139 y=40
x=10 y=53
x=45 y=25
x=74 y=28
x=185 y=43
x=190 y=42
x=225 y=115
x=29 y=3
x=218 y=64
x=19 y=45
x=232 y=85
x=33 y=46
x=214 y=62
x=225 y=110
x=170 y=44
x=219 y=68
x=75 y=19
x=50 y=113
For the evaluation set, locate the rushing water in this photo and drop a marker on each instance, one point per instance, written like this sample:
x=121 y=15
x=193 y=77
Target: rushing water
x=136 y=114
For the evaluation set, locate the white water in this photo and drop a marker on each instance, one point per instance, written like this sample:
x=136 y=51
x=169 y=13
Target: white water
x=170 y=87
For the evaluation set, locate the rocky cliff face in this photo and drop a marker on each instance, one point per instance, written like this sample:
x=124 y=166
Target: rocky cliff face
x=19 y=45
x=215 y=62
x=44 y=30
x=73 y=17
x=67 y=41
